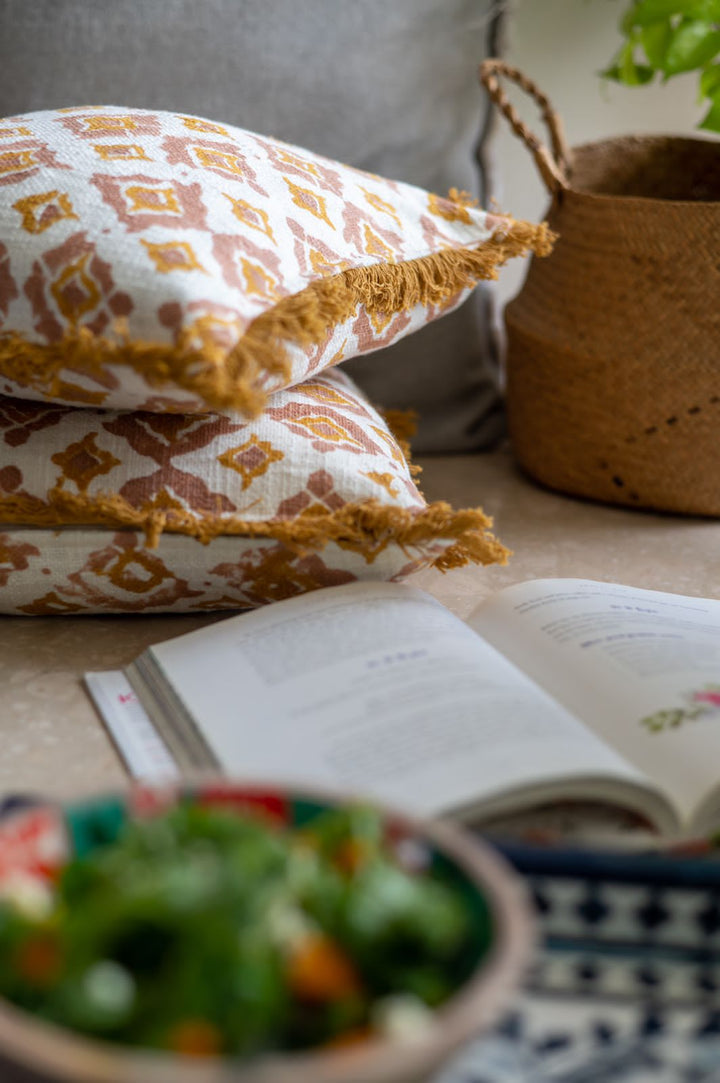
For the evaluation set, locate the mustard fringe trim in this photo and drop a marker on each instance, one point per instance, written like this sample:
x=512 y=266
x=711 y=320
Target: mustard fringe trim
x=403 y=425
x=367 y=527
x=258 y=363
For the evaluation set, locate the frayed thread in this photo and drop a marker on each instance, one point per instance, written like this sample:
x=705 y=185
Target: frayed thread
x=366 y=527
x=258 y=363
x=403 y=425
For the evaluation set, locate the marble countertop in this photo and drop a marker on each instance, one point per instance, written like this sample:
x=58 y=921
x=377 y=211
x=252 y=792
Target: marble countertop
x=54 y=743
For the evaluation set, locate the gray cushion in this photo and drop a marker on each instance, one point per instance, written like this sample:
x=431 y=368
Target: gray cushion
x=387 y=85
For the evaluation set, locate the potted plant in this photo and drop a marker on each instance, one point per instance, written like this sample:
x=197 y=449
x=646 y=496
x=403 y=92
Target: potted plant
x=665 y=38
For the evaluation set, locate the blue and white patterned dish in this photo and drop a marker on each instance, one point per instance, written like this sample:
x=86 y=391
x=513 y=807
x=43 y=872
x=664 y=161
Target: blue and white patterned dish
x=627 y=985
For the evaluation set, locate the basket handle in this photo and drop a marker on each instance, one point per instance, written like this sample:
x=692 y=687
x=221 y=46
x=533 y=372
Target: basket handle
x=554 y=167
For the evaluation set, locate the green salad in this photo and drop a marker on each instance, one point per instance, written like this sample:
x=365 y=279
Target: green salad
x=212 y=932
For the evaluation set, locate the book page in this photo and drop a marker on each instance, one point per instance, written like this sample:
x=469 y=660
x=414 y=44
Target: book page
x=377 y=688
x=640 y=667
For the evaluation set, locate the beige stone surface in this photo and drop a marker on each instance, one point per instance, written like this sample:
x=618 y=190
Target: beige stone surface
x=52 y=741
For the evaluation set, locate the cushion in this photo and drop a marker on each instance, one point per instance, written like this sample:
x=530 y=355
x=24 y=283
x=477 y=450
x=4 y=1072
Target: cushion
x=163 y=262
x=390 y=88
x=127 y=511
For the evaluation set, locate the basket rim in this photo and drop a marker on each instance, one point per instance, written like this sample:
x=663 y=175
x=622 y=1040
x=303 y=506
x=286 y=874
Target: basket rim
x=642 y=139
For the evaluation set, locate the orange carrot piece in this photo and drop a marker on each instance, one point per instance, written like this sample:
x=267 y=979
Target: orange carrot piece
x=318 y=970
x=195 y=1038
x=348 y=1038
x=38 y=959
x=352 y=854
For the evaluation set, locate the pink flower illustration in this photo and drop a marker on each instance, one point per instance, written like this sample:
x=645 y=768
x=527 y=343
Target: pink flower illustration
x=712 y=698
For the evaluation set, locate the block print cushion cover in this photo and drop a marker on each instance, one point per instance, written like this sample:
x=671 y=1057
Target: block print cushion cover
x=127 y=511
x=167 y=263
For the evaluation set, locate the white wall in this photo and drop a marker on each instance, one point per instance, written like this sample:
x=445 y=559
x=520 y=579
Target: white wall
x=562 y=45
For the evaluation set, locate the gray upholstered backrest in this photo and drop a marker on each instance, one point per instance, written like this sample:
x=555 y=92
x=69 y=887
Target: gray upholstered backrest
x=388 y=85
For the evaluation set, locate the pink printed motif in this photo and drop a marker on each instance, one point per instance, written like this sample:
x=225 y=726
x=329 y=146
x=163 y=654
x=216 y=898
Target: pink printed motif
x=23 y=161
x=8 y=287
x=14 y=557
x=128 y=223
x=141 y=201
x=92 y=123
x=74 y=285
x=320 y=449
x=116 y=573
x=320 y=442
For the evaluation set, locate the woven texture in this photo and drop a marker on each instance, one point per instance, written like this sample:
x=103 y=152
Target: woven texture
x=163 y=262
x=315 y=491
x=613 y=368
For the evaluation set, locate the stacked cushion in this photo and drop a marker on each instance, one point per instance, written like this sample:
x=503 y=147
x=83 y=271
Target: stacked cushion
x=135 y=511
x=166 y=262
x=192 y=286
x=390 y=88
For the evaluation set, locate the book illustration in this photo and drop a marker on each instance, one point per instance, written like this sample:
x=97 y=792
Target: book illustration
x=698 y=704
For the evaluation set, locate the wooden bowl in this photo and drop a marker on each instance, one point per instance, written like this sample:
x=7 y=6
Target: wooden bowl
x=34 y=840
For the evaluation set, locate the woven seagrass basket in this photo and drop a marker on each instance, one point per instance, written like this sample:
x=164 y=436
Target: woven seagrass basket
x=613 y=365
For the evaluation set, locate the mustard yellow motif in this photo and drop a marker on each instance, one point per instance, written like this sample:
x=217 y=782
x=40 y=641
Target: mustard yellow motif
x=454 y=208
x=375 y=246
x=43 y=210
x=380 y=204
x=386 y=481
x=391 y=442
x=51 y=603
x=65 y=389
x=326 y=429
x=119 y=152
x=106 y=123
x=327 y=394
x=15 y=161
x=289 y=158
x=14 y=133
x=209 y=158
x=257 y=279
x=157 y=200
x=172 y=256
x=380 y=320
x=323 y=267
x=251 y=459
x=197 y=125
x=309 y=201
x=136 y=570
x=75 y=292
x=251 y=216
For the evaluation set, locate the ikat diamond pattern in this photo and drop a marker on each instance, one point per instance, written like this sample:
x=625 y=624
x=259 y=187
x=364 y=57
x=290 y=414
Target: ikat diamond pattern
x=136 y=511
x=161 y=238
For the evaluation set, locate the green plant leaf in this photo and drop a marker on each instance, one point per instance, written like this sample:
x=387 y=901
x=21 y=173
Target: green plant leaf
x=643 y=74
x=625 y=69
x=711 y=120
x=612 y=72
x=655 y=40
x=710 y=81
x=694 y=44
x=646 y=12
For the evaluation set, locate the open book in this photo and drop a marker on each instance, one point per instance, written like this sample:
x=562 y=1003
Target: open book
x=555 y=689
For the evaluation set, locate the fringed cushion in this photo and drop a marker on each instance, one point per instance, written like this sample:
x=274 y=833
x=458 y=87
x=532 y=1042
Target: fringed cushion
x=121 y=512
x=166 y=263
